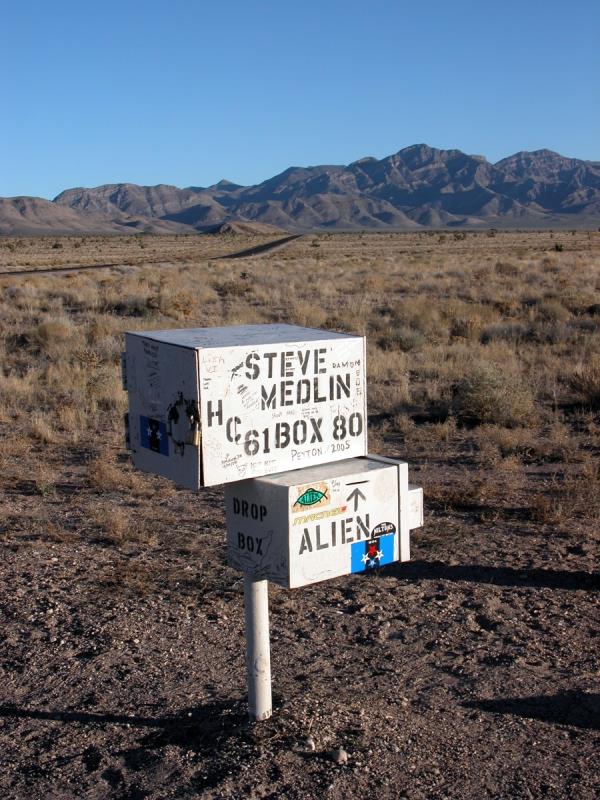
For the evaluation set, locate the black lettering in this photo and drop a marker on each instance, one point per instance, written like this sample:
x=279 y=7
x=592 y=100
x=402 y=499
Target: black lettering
x=268 y=401
x=346 y=529
x=363 y=527
x=286 y=391
x=300 y=431
x=244 y=508
x=355 y=424
x=263 y=512
x=252 y=370
x=282 y=435
x=303 y=383
x=287 y=370
x=316 y=434
x=210 y=414
x=236 y=506
x=320 y=360
x=235 y=421
x=318 y=398
x=259 y=551
x=270 y=357
x=305 y=544
x=241 y=541
x=266 y=447
x=320 y=545
x=342 y=386
x=251 y=445
x=339 y=427
x=303 y=359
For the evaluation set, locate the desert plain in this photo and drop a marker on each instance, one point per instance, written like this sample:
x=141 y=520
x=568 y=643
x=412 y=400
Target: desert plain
x=469 y=672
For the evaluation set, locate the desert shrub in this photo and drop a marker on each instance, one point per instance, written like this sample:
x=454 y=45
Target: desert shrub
x=175 y=304
x=585 y=383
x=21 y=297
x=231 y=288
x=507 y=268
x=585 y=325
x=310 y=315
x=402 y=338
x=55 y=337
x=530 y=300
x=41 y=429
x=102 y=327
x=403 y=424
x=129 y=306
x=422 y=316
x=527 y=444
x=385 y=365
x=550 y=332
x=490 y=394
x=467 y=327
x=389 y=397
x=552 y=311
x=106 y=476
x=504 y=331
x=576 y=495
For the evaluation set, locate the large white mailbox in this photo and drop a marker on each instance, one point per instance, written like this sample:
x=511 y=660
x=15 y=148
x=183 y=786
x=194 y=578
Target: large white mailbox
x=321 y=522
x=215 y=405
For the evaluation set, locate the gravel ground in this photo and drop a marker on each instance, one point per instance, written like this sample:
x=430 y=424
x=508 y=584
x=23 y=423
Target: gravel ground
x=470 y=672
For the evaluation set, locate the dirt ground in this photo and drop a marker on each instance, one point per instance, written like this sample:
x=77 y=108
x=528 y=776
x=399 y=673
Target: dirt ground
x=469 y=672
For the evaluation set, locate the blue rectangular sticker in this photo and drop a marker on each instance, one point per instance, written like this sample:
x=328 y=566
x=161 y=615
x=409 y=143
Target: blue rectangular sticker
x=153 y=435
x=372 y=553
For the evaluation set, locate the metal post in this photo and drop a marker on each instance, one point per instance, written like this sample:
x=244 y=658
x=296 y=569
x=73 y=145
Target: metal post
x=258 y=656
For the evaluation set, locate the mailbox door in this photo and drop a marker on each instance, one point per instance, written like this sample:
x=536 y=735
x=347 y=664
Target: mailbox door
x=271 y=408
x=344 y=525
x=162 y=386
x=257 y=541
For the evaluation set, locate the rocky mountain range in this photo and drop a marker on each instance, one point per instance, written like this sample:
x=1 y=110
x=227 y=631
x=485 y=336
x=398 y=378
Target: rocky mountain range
x=418 y=187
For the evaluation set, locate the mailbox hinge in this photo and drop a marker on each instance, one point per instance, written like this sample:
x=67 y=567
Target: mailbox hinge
x=127 y=435
x=124 y=370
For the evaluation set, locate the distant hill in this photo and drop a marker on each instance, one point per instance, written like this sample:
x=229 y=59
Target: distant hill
x=240 y=228
x=33 y=216
x=418 y=187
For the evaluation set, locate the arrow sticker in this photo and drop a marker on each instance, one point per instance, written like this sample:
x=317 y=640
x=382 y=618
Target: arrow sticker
x=355 y=495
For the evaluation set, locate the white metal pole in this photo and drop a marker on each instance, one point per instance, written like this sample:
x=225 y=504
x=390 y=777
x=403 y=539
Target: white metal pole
x=258 y=655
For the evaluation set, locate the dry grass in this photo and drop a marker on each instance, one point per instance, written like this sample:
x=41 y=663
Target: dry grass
x=585 y=383
x=482 y=350
x=123 y=251
x=491 y=394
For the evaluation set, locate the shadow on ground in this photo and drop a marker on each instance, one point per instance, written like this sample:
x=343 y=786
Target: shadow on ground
x=216 y=727
x=497 y=576
x=187 y=728
x=577 y=708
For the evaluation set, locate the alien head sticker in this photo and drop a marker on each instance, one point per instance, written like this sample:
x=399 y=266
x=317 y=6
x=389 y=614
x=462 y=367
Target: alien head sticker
x=310 y=496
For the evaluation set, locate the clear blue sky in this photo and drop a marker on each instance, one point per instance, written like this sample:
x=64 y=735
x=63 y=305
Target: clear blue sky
x=99 y=91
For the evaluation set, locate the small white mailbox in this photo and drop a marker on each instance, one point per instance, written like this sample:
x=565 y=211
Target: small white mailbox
x=321 y=522
x=215 y=405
